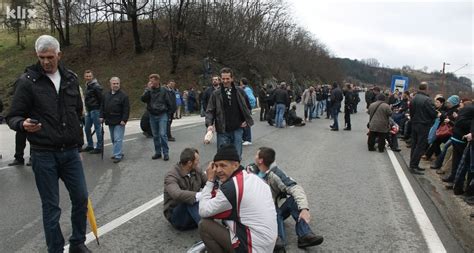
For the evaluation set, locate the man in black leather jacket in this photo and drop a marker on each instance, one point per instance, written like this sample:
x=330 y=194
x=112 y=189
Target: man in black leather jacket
x=422 y=115
x=47 y=106
x=93 y=101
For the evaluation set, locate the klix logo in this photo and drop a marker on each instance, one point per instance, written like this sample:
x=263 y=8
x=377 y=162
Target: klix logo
x=20 y=13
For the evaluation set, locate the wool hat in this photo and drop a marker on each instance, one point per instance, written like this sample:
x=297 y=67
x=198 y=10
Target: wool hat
x=227 y=152
x=454 y=100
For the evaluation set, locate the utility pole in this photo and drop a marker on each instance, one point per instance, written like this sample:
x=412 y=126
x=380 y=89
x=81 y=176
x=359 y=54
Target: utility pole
x=443 y=79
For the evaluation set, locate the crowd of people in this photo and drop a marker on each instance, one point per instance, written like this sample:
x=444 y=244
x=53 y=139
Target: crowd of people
x=236 y=208
x=438 y=130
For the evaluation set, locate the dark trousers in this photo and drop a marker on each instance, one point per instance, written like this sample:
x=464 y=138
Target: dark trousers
x=20 y=144
x=392 y=140
x=458 y=150
x=264 y=108
x=168 y=130
x=435 y=148
x=380 y=140
x=289 y=207
x=419 y=143
x=347 y=117
x=463 y=169
x=66 y=165
x=185 y=216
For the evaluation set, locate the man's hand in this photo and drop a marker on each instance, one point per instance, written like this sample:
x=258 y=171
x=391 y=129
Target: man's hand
x=304 y=214
x=244 y=124
x=31 y=127
x=101 y=120
x=439 y=114
x=210 y=128
x=123 y=123
x=455 y=115
x=211 y=172
x=468 y=137
x=446 y=120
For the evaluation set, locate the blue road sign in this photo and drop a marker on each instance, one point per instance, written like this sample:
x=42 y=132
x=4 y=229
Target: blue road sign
x=400 y=83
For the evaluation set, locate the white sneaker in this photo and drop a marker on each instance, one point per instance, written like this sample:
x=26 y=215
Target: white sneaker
x=246 y=143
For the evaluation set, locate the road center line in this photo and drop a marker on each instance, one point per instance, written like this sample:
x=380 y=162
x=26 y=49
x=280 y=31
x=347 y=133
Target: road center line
x=121 y=220
x=429 y=233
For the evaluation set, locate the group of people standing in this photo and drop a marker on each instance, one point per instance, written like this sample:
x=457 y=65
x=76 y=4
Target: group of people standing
x=436 y=129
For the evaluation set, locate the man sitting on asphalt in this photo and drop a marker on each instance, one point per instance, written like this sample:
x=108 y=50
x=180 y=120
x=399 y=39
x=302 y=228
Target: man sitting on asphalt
x=296 y=203
x=244 y=204
x=181 y=195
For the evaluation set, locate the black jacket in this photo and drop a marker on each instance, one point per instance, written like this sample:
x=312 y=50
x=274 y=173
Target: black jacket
x=158 y=100
x=93 y=97
x=36 y=97
x=336 y=96
x=173 y=105
x=422 y=110
x=115 y=108
x=463 y=123
x=1 y=105
x=280 y=96
x=349 y=99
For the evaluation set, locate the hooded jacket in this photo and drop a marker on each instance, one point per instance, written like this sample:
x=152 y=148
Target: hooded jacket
x=59 y=113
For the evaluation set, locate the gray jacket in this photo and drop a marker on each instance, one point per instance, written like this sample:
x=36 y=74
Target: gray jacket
x=282 y=186
x=381 y=117
x=181 y=188
x=215 y=109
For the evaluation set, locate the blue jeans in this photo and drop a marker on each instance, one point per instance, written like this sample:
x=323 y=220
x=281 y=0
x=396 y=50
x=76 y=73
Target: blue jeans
x=335 y=113
x=320 y=107
x=284 y=211
x=308 y=111
x=48 y=166
x=247 y=135
x=280 y=111
x=234 y=137
x=92 y=118
x=116 y=135
x=185 y=216
x=159 y=125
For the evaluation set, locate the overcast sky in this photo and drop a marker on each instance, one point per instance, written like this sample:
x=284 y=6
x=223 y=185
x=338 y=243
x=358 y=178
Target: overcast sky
x=397 y=33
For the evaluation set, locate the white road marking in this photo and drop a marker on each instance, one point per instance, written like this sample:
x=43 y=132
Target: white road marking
x=6 y=167
x=121 y=220
x=429 y=233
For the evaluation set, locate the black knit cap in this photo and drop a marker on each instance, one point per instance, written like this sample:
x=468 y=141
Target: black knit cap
x=227 y=152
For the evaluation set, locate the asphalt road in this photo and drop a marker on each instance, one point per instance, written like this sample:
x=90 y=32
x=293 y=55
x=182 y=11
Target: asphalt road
x=356 y=199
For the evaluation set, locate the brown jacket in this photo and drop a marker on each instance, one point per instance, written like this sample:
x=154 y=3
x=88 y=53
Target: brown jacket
x=380 y=120
x=181 y=188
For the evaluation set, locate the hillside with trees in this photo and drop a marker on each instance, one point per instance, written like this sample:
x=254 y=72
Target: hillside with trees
x=369 y=72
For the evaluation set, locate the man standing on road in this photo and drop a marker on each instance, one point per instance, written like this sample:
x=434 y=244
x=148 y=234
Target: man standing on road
x=216 y=81
x=47 y=106
x=159 y=104
x=228 y=113
x=252 y=101
x=93 y=101
x=295 y=200
x=336 y=99
x=181 y=195
x=171 y=89
x=281 y=98
x=349 y=105
x=244 y=204
x=309 y=100
x=115 y=111
x=422 y=115
x=262 y=102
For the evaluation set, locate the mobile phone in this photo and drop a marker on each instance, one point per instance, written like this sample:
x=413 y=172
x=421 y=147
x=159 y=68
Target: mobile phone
x=33 y=121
